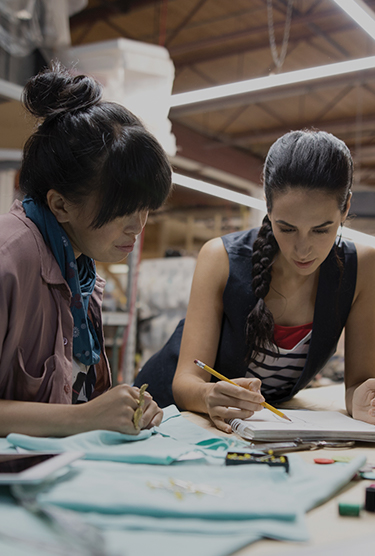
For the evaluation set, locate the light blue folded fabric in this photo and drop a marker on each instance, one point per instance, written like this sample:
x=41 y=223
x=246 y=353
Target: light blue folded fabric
x=272 y=528
x=242 y=492
x=180 y=428
x=112 y=446
x=109 y=487
x=22 y=532
x=5 y=446
x=257 y=501
x=162 y=445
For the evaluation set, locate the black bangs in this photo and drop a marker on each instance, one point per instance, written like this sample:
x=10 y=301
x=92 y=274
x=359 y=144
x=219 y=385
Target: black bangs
x=136 y=176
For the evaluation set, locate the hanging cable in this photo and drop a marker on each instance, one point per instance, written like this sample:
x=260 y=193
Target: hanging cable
x=163 y=23
x=279 y=60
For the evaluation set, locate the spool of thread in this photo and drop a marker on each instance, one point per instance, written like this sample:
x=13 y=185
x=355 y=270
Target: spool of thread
x=348 y=509
x=370 y=498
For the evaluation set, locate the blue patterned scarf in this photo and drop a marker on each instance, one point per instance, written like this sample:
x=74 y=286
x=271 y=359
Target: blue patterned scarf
x=80 y=275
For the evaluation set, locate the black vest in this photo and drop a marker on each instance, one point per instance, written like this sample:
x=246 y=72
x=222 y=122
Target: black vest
x=333 y=302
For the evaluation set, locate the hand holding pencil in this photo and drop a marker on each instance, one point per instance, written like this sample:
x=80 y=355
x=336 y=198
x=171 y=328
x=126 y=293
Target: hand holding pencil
x=225 y=379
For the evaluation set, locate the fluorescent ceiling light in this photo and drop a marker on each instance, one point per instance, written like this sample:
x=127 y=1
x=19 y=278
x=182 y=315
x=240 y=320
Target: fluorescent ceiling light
x=361 y=13
x=252 y=202
x=221 y=192
x=270 y=81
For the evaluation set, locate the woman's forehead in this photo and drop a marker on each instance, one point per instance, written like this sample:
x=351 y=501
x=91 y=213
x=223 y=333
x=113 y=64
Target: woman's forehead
x=302 y=204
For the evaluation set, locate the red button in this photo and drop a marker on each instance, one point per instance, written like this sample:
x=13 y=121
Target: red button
x=324 y=460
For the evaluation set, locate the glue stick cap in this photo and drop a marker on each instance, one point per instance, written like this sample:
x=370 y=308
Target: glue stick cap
x=370 y=498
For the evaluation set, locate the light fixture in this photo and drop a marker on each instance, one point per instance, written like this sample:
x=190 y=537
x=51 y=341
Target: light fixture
x=221 y=192
x=361 y=13
x=270 y=81
x=252 y=202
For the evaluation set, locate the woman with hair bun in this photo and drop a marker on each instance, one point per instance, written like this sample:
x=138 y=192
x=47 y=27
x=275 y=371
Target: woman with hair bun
x=268 y=306
x=90 y=173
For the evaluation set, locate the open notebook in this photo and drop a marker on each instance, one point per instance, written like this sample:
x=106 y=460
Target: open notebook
x=305 y=425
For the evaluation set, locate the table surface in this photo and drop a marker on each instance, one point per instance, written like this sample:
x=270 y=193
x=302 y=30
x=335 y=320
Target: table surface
x=330 y=533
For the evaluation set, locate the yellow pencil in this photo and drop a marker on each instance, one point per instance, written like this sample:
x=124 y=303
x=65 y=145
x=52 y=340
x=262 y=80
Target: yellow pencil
x=222 y=377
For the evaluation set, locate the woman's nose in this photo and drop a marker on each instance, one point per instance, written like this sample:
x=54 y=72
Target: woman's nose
x=302 y=248
x=138 y=222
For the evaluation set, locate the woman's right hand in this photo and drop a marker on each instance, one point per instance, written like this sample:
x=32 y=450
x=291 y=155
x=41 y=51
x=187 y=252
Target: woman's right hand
x=114 y=410
x=225 y=401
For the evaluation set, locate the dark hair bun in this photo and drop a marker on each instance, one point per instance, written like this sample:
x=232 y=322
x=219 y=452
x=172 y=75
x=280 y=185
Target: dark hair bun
x=57 y=90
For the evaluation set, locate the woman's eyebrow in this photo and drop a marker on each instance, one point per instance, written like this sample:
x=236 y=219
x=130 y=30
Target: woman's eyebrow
x=327 y=223
x=284 y=223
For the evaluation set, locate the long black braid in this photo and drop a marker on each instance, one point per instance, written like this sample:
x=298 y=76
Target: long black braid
x=260 y=323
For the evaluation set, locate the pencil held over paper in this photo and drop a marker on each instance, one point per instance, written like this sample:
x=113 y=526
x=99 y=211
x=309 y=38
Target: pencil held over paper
x=222 y=377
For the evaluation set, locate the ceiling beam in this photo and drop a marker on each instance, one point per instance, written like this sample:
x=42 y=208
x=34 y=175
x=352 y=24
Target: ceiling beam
x=107 y=9
x=340 y=127
x=195 y=146
x=220 y=41
x=283 y=91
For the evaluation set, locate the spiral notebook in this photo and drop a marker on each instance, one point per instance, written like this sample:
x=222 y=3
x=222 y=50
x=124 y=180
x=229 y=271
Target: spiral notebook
x=305 y=425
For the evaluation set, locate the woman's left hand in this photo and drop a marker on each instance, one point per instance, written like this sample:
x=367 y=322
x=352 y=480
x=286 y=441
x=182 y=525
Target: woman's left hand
x=363 y=404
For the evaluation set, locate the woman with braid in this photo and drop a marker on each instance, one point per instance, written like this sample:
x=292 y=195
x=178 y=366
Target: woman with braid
x=268 y=306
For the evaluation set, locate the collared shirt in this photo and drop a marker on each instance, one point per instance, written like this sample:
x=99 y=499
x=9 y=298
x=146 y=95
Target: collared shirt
x=36 y=324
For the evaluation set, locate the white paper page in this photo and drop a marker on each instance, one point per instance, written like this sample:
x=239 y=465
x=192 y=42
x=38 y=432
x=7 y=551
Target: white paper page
x=304 y=421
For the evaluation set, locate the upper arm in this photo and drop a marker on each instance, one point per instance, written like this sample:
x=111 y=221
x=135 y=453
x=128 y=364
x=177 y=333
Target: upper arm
x=205 y=310
x=360 y=326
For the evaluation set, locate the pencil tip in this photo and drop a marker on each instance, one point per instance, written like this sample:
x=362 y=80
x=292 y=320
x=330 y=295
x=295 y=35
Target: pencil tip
x=287 y=418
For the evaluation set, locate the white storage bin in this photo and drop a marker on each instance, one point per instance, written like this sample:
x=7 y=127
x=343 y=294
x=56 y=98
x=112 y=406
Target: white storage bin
x=135 y=74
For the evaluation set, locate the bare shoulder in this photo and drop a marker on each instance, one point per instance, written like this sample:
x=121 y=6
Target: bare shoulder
x=366 y=267
x=213 y=261
x=214 y=247
x=366 y=255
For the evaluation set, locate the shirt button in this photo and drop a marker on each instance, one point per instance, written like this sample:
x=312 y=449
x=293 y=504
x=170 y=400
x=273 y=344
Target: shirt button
x=67 y=388
x=65 y=341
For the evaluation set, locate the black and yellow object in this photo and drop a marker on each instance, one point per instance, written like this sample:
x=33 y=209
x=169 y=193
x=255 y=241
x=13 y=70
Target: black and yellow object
x=239 y=458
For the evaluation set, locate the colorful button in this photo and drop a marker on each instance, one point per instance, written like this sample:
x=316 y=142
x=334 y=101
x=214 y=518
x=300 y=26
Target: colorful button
x=324 y=461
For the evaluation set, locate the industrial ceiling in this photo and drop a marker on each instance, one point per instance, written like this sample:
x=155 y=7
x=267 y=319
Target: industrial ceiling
x=213 y=42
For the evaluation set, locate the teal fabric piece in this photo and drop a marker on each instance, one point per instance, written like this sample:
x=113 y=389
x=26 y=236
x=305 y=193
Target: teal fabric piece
x=114 y=497
x=169 y=412
x=124 y=488
x=112 y=446
x=24 y=533
x=5 y=446
x=178 y=427
x=174 y=438
x=245 y=492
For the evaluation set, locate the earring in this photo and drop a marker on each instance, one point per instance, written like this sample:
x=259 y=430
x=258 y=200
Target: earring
x=339 y=235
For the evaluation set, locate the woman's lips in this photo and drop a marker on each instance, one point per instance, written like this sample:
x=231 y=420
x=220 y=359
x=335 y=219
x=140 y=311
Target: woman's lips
x=126 y=248
x=306 y=264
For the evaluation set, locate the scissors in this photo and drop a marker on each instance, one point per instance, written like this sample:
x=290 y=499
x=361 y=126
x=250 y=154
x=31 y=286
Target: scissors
x=299 y=445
